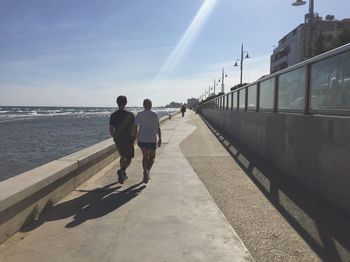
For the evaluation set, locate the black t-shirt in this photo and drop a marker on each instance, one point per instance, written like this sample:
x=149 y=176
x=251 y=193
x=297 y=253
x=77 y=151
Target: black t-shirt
x=122 y=121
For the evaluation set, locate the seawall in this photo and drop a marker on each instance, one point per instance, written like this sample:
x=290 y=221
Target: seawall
x=312 y=149
x=24 y=197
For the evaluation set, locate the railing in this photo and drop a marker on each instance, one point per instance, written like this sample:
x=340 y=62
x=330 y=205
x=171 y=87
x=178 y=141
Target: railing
x=320 y=85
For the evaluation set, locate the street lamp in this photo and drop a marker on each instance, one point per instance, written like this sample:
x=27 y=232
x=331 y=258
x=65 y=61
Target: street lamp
x=310 y=25
x=215 y=84
x=241 y=61
x=223 y=75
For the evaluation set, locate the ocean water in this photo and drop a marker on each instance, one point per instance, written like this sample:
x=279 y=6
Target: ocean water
x=33 y=136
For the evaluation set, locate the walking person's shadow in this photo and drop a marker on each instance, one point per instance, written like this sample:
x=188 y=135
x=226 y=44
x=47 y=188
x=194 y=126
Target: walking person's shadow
x=105 y=205
x=95 y=203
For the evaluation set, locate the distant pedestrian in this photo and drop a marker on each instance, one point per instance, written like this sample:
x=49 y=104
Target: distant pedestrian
x=120 y=128
x=183 y=110
x=147 y=128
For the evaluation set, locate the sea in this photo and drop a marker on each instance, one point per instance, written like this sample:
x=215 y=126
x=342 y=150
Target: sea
x=33 y=136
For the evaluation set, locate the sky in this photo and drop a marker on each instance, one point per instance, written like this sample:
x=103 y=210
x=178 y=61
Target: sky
x=87 y=52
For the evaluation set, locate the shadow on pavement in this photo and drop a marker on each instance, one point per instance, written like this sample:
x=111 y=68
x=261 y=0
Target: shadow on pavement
x=324 y=228
x=94 y=204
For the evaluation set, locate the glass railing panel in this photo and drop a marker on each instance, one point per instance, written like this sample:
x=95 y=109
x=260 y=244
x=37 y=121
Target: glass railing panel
x=291 y=90
x=242 y=94
x=229 y=102
x=252 y=98
x=234 y=101
x=267 y=92
x=330 y=84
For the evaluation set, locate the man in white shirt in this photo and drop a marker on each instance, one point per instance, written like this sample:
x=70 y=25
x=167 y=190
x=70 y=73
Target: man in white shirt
x=147 y=128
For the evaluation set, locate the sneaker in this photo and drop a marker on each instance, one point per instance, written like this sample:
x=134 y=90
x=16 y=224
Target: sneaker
x=120 y=176
x=125 y=177
x=145 y=177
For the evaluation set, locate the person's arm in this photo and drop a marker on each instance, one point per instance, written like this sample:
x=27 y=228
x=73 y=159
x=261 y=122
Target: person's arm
x=159 y=137
x=135 y=126
x=112 y=131
x=134 y=131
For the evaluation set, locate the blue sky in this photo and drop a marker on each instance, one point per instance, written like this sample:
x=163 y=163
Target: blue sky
x=87 y=52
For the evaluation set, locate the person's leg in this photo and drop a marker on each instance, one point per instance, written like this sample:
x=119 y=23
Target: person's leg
x=124 y=162
x=126 y=152
x=145 y=164
x=129 y=152
x=144 y=159
x=151 y=157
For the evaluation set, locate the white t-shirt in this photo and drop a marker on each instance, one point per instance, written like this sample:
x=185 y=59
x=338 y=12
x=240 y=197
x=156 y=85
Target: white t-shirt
x=148 y=123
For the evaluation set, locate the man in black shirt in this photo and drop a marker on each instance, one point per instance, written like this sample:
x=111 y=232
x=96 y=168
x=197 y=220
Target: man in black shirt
x=120 y=125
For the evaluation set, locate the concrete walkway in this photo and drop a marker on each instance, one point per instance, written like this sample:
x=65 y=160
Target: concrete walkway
x=172 y=218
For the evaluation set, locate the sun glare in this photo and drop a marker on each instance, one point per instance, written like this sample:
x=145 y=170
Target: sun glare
x=186 y=40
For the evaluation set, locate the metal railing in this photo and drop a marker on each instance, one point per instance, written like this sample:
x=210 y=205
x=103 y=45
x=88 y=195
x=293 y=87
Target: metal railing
x=320 y=85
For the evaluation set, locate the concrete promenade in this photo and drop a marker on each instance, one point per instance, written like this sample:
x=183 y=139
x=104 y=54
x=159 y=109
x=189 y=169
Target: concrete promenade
x=172 y=218
x=276 y=218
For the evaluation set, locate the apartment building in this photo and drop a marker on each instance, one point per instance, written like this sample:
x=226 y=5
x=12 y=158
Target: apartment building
x=292 y=48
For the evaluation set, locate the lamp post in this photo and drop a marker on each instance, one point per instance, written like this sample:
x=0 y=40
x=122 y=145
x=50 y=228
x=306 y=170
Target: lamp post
x=310 y=24
x=223 y=75
x=215 y=84
x=241 y=62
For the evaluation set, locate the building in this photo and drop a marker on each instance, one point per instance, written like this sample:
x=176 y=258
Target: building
x=292 y=48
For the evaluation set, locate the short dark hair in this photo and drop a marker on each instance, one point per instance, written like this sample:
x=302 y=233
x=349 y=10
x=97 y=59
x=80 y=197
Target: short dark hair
x=147 y=103
x=121 y=100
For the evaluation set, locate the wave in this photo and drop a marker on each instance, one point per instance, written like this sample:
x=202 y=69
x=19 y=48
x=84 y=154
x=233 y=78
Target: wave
x=23 y=113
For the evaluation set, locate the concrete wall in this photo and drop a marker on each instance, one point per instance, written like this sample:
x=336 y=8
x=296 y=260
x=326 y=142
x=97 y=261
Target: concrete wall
x=24 y=197
x=315 y=150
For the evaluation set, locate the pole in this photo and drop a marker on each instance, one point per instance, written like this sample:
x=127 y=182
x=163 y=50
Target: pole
x=222 y=81
x=241 y=63
x=310 y=31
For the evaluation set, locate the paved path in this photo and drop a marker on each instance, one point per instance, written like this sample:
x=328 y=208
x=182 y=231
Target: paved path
x=275 y=217
x=172 y=218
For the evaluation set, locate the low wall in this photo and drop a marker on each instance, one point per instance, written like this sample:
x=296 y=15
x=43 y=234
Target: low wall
x=313 y=149
x=24 y=197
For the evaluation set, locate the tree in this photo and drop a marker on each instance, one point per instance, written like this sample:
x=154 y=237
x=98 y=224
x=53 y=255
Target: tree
x=319 y=44
x=343 y=38
x=238 y=86
x=324 y=43
x=174 y=105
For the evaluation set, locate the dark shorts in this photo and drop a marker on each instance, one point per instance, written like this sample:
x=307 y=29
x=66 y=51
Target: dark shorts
x=148 y=145
x=125 y=149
